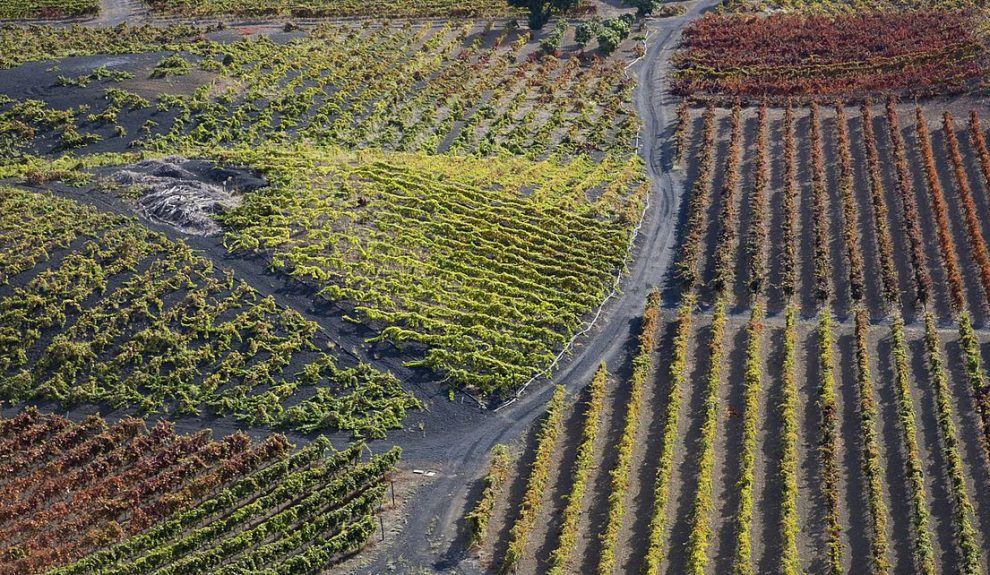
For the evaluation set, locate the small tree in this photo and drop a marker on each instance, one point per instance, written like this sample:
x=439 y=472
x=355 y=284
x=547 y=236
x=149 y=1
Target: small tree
x=643 y=7
x=613 y=32
x=551 y=44
x=586 y=32
x=608 y=40
x=541 y=10
x=622 y=24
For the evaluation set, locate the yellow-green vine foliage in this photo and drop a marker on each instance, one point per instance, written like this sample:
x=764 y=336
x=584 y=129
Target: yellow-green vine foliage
x=335 y=9
x=924 y=555
x=752 y=380
x=702 y=506
x=20 y=44
x=546 y=444
x=215 y=346
x=490 y=263
x=559 y=562
x=829 y=440
x=976 y=377
x=962 y=525
x=498 y=471
x=873 y=467
x=678 y=384
x=641 y=374
x=417 y=87
x=22 y=9
x=790 y=558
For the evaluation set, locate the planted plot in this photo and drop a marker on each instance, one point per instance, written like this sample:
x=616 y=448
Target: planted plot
x=334 y=8
x=621 y=474
x=455 y=254
x=546 y=442
x=870 y=181
x=14 y=9
x=820 y=57
x=19 y=44
x=794 y=502
x=946 y=243
x=128 y=318
x=457 y=88
x=793 y=374
x=92 y=497
x=846 y=7
x=480 y=270
x=70 y=488
x=656 y=554
x=974 y=235
x=450 y=88
x=562 y=558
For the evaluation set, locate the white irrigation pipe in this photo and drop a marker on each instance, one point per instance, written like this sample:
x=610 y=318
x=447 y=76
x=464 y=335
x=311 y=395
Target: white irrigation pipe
x=645 y=40
x=615 y=285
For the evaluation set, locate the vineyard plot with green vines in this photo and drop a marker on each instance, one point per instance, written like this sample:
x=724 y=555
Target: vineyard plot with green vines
x=482 y=269
x=452 y=199
x=491 y=264
x=453 y=88
x=752 y=494
x=31 y=9
x=334 y=8
x=97 y=309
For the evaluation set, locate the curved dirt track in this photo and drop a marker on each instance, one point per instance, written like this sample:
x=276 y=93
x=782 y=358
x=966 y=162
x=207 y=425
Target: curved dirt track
x=432 y=536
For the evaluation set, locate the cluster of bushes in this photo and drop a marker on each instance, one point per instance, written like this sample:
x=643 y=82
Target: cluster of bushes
x=609 y=33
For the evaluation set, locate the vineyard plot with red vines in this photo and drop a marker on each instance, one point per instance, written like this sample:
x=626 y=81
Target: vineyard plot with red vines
x=823 y=57
x=99 y=497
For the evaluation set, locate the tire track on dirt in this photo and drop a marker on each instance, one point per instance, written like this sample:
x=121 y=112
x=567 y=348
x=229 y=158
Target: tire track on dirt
x=114 y=12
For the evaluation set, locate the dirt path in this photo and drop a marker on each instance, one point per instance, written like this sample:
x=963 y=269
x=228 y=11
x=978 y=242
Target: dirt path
x=114 y=12
x=462 y=448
